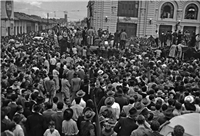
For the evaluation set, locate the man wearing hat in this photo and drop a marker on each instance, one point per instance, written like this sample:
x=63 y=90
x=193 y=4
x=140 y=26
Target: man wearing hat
x=126 y=125
x=80 y=94
x=87 y=126
x=109 y=101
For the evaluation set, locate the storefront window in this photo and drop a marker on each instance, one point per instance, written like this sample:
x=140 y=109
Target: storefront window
x=167 y=10
x=191 y=11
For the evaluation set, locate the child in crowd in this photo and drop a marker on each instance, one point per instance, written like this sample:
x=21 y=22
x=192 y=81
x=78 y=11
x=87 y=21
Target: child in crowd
x=51 y=131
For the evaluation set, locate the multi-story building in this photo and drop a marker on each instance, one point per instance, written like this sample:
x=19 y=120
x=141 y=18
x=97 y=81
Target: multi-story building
x=7 y=17
x=142 y=18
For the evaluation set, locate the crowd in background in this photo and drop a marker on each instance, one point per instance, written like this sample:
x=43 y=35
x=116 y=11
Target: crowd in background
x=60 y=85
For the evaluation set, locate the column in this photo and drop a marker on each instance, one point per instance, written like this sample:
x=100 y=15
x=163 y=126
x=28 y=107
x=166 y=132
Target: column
x=198 y=30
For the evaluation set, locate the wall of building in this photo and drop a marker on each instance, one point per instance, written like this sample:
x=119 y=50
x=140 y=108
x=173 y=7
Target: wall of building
x=20 y=26
x=102 y=10
x=149 y=17
x=7 y=18
x=154 y=13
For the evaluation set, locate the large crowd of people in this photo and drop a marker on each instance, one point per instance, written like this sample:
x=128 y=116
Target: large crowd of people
x=55 y=83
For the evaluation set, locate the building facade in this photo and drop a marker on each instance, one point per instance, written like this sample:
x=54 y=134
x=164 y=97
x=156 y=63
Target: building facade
x=7 y=17
x=143 y=18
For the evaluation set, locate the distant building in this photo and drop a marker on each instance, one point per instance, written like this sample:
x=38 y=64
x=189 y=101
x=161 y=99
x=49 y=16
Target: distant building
x=7 y=17
x=24 y=23
x=13 y=23
x=142 y=18
x=103 y=14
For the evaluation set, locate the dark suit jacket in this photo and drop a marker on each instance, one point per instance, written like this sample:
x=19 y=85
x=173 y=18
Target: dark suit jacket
x=35 y=125
x=125 y=126
x=47 y=116
x=122 y=100
x=13 y=109
x=58 y=118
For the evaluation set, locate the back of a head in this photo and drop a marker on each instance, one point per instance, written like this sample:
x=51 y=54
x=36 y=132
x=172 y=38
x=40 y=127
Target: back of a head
x=55 y=99
x=155 y=125
x=179 y=130
x=49 y=105
x=68 y=113
x=178 y=105
x=78 y=100
x=60 y=105
x=140 y=120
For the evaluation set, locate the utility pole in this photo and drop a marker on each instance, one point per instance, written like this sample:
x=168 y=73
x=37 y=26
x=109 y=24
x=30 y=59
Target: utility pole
x=47 y=20
x=66 y=18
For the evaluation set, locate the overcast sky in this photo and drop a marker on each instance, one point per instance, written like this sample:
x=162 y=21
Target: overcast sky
x=77 y=9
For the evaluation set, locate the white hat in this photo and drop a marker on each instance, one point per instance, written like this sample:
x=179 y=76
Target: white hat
x=100 y=72
x=189 y=99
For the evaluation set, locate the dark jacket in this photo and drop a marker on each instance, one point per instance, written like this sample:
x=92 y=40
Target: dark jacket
x=122 y=100
x=35 y=125
x=155 y=134
x=13 y=109
x=125 y=126
x=58 y=118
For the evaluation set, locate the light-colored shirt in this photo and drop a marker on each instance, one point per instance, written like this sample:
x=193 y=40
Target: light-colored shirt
x=77 y=111
x=54 y=133
x=117 y=109
x=69 y=127
x=18 y=131
x=82 y=103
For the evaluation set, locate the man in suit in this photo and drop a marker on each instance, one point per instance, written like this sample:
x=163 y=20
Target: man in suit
x=50 y=87
x=13 y=106
x=141 y=130
x=58 y=117
x=48 y=112
x=126 y=108
x=126 y=125
x=35 y=123
x=121 y=99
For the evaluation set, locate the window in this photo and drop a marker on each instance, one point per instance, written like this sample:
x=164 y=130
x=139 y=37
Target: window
x=191 y=12
x=128 y=8
x=167 y=10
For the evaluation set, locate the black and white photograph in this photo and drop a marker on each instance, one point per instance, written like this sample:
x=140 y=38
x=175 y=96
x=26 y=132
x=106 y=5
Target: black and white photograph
x=100 y=67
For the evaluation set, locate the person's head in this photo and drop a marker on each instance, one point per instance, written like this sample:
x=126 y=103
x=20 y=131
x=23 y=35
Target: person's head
x=140 y=120
x=49 y=105
x=90 y=103
x=11 y=126
x=158 y=106
x=20 y=109
x=34 y=96
x=178 y=130
x=78 y=100
x=178 y=105
x=14 y=97
x=68 y=113
x=55 y=99
x=131 y=100
x=171 y=102
x=52 y=126
x=164 y=107
x=60 y=105
x=155 y=125
x=17 y=118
